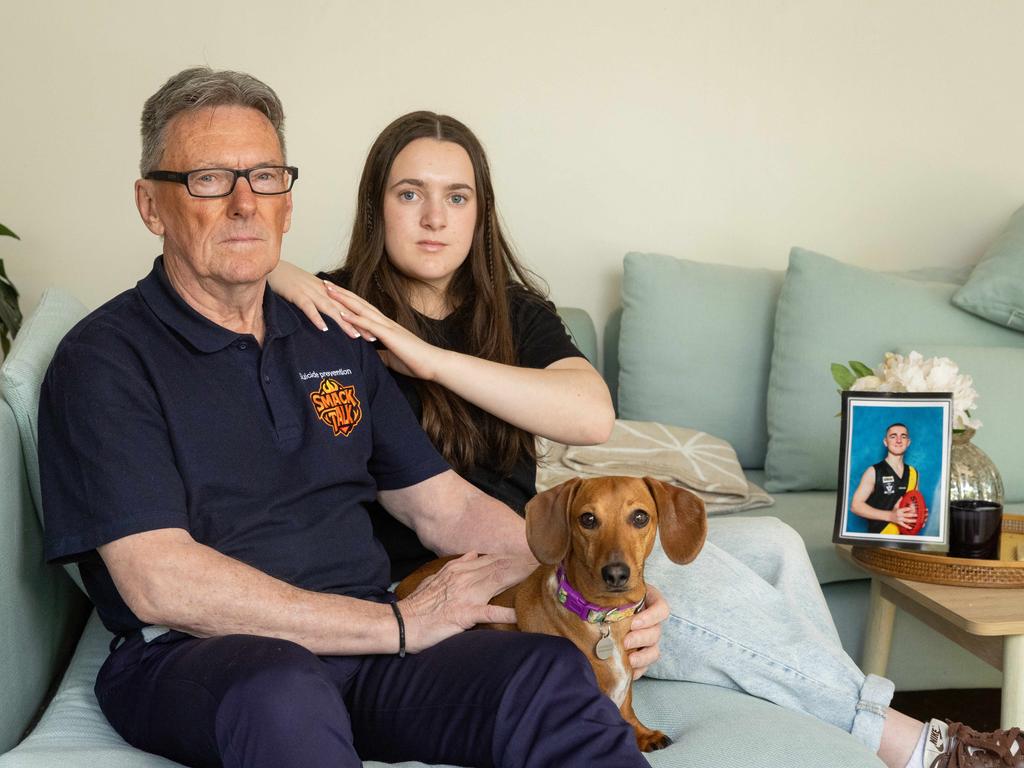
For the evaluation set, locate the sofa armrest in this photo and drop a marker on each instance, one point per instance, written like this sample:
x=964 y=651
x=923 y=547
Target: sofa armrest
x=41 y=611
x=582 y=330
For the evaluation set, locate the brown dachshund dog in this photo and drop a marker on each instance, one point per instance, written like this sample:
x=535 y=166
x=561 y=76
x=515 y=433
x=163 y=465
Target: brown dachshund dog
x=592 y=538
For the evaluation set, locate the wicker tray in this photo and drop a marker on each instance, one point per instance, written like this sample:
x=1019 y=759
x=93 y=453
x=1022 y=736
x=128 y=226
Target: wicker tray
x=1006 y=572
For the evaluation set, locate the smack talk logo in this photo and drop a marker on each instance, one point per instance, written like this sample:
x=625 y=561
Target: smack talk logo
x=337 y=406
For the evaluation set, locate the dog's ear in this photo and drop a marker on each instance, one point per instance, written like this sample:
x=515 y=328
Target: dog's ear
x=547 y=521
x=682 y=521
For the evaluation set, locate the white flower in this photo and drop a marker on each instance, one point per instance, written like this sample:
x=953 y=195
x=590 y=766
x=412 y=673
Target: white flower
x=914 y=373
x=901 y=374
x=866 y=384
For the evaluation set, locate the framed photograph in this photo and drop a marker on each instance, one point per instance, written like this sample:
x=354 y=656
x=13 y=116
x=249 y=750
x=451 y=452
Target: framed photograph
x=894 y=469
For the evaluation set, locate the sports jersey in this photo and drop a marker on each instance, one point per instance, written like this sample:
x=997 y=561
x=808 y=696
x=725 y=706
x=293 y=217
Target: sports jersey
x=889 y=489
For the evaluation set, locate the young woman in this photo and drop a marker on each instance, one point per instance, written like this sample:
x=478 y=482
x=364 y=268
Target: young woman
x=483 y=359
x=487 y=365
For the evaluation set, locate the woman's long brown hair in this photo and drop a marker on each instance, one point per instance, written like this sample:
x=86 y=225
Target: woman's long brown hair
x=479 y=292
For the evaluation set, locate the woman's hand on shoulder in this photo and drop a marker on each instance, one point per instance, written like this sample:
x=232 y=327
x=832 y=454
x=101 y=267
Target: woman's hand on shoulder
x=310 y=294
x=404 y=352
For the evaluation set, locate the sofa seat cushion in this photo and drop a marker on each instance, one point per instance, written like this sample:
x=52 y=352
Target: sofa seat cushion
x=703 y=721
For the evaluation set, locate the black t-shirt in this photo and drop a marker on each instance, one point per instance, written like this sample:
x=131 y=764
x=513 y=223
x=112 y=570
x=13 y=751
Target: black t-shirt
x=152 y=417
x=541 y=339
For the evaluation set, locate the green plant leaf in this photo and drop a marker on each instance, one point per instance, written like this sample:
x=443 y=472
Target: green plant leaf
x=5 y=280
x=10 y=314
x=10 y=317
x=5 y=232
x=860 y=369
x=844 y=376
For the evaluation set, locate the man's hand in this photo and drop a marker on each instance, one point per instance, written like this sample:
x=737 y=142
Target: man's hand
x=645 y=633
x=455 y=598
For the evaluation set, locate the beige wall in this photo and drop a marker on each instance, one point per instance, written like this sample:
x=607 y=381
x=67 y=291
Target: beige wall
x=884 y=132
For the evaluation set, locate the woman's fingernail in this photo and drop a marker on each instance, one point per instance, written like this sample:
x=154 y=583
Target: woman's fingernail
x=330 y=286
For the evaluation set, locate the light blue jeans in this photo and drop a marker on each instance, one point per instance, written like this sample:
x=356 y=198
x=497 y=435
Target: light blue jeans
x=748 y=614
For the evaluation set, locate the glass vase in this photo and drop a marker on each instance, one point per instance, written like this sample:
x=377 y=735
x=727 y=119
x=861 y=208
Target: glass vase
x=972 y=475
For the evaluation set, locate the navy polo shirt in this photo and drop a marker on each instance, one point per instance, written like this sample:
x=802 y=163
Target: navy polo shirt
x=152 y=416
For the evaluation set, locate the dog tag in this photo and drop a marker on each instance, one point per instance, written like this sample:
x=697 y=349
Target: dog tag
x=605 y=646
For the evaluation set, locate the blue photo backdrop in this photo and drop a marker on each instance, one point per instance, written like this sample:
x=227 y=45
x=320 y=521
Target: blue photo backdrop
x=925 y=425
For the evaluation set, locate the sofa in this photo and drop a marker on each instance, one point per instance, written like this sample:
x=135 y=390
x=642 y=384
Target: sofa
x=723 y=349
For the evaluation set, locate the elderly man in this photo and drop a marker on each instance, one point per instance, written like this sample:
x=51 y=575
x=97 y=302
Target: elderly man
x=207 y=459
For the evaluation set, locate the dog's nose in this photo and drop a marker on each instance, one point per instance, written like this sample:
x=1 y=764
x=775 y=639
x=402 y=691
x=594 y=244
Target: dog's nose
x=615 y=574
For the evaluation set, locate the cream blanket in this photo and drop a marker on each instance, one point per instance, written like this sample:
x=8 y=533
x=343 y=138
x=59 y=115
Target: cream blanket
x=694 y=460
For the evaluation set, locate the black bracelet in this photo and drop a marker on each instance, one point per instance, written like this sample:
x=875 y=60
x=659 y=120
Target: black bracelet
x=401 y=630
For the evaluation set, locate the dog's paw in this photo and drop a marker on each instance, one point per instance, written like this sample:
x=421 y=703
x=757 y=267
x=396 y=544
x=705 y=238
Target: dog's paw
x=649 y=740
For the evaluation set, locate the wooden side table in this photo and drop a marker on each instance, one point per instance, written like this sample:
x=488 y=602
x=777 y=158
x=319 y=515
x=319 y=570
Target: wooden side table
x=987 y=622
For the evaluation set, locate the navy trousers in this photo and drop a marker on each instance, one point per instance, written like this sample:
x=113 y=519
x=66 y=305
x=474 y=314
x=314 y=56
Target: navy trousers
x=481 y=698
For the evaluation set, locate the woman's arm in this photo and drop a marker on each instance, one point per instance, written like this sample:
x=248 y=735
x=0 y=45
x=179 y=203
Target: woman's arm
x=568 y=401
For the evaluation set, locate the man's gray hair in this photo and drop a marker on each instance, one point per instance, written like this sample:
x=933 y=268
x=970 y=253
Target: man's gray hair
x=200 y=87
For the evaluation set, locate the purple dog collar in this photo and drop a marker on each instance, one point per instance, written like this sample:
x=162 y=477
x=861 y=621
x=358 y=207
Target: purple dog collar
x=594 y=614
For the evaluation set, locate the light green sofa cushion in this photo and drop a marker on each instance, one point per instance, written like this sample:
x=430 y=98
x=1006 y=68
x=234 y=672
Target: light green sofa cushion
x=695 y=347
x=995 y=289
x=22 y=375
x=998 y=374
x=829 y=312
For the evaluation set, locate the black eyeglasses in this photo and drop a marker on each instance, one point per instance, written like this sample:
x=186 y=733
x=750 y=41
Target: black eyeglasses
x=220 y=182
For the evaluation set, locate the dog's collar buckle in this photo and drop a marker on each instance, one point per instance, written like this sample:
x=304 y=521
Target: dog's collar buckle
x=589 y=612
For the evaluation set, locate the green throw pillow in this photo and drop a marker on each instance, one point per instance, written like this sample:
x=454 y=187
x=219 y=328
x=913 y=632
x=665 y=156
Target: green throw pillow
x=695 y=347
x=995 y=289
x=998 y=374
x=833 y=312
